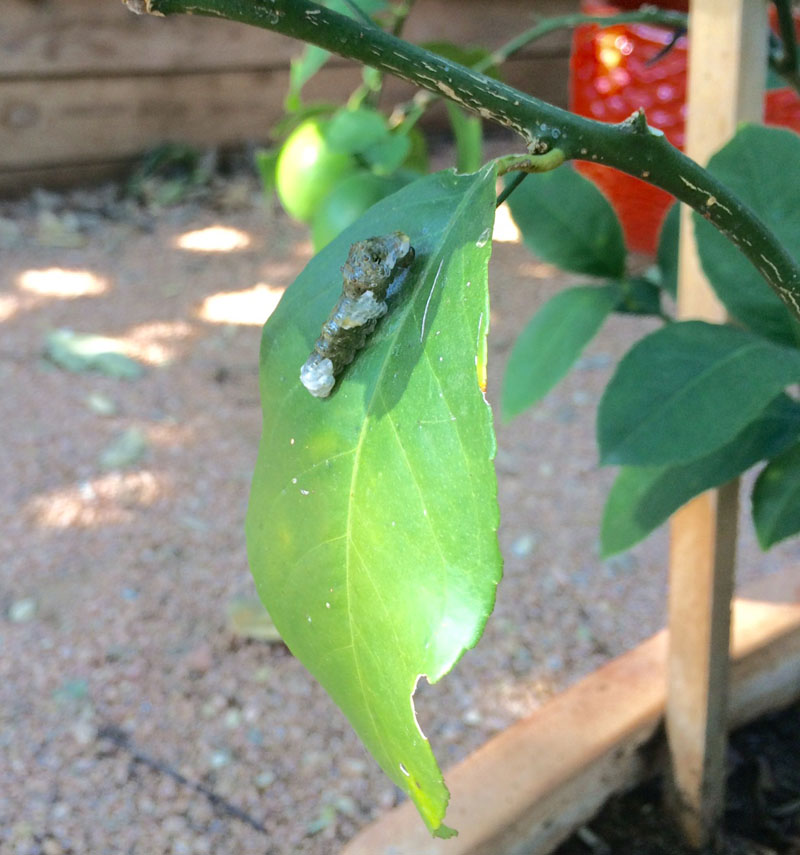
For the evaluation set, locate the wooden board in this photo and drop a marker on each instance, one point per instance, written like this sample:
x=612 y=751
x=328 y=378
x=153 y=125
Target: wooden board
x=96 y=120
x=65 y=38
x=92 y=119
x=727 y=66
x=528 y=788
x=86 y=82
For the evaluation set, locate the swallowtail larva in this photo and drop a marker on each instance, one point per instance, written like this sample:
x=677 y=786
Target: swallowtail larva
x=371 y=267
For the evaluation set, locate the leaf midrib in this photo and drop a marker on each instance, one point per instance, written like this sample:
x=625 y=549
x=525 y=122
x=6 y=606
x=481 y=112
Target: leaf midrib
x=349 y=544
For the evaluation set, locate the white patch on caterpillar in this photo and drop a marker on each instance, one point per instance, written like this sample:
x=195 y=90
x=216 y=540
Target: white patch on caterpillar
x=366 y=308
x=317 y=376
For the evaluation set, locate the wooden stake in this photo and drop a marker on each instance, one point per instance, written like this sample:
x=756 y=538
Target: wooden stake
x=727 y=66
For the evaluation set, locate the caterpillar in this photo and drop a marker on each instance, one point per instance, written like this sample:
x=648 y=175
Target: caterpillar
x=372 y=266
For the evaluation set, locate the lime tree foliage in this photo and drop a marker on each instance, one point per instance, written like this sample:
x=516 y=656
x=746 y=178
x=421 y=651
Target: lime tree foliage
x=333 y=162
x=373 y=515
x=692 y=405
x=372 y=524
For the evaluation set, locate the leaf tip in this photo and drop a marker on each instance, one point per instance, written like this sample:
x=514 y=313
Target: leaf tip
x=444 y=832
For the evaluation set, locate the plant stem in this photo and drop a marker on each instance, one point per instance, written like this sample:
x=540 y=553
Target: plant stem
x=413 y=109
x=649 y=15
x=510 y=188
x=630 y=146
x=788 y=60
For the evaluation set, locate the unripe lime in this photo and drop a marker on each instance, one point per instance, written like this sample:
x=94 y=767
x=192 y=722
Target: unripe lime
x=307 y=169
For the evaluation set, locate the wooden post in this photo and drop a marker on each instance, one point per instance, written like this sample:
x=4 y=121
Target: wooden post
x=727 y=66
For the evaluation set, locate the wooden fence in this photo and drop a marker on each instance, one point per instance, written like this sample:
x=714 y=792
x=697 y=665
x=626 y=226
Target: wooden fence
x=85 y=85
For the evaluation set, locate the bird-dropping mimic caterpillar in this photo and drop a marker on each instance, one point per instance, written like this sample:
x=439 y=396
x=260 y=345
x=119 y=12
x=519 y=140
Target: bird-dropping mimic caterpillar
x=370 y=269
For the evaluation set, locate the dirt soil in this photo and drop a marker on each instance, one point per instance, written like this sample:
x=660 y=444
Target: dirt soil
x=762 y=815
x=137 y=713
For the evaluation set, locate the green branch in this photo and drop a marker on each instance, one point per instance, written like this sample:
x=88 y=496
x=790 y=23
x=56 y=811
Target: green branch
x=630 y=146
x=648 y=15
x=785 y=60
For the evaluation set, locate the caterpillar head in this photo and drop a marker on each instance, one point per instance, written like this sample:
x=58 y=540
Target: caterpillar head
x=372 y=264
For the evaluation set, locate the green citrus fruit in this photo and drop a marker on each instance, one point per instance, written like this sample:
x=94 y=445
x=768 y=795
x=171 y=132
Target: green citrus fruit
x=307 y=169
x=347 y=201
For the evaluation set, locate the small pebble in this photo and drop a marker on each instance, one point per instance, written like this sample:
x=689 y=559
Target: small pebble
x=52 y=847
x=523 y=545
x=345 y=805
x=125 y=449
x=218 y=759
x=473 y=717
x=265 y=779
x=200 y=660
x=22 y=610
x=10 y=233
x=101 y=405
x=233 y=718
x=353 y=766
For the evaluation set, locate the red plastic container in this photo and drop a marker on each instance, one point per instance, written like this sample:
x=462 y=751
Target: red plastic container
x=610 y=78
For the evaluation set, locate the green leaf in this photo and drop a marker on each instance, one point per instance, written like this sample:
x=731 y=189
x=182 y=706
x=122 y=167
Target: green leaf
x=760 y=165
x=372 y=525
x=687 y=389
x=468 y=134
x=266 y=160
x=551 y=343
x=303 y=67
x=355 y=131
x=639 y=296
x=567 y=221
x=643 y=497
x=776 y=499
x=388 y=154
x=667 y=257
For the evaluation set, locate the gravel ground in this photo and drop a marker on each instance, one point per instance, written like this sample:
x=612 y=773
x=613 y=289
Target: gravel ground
x=134 y=715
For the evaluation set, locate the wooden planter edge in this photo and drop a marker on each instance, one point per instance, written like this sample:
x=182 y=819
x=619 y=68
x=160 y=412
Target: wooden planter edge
x=529 y=787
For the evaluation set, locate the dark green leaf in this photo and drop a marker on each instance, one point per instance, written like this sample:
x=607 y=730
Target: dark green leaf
x=643 y=497
x=760 y=165
x=355 y=131
x=776 y=499
x=667 y=258
x=567 y=221
x=639 y=297
x=551 y=343
x=372 y=525
x=387 y=154
x=684 y=391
